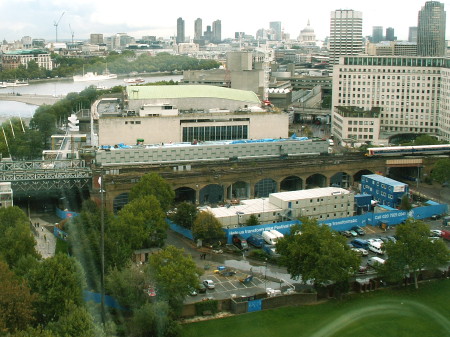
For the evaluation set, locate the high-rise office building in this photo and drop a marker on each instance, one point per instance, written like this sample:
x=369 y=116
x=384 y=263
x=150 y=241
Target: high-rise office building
x=377 y=34
x=217 y=31
x=345 y=34
x=96 y=38
x=431 y=30
x=390 y=34
x=180 y=31
x=412 y=34
x=275 y=26
x=198 y=29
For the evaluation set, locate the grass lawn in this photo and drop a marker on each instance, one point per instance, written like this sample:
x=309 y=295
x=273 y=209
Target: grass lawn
x=391 y=312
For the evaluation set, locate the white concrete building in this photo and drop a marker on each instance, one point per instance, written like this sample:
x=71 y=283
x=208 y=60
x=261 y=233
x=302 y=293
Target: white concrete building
x=321 y=203
x=406 y=91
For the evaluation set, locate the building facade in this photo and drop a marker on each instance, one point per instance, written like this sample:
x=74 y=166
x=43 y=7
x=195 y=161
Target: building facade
x=405 y=90
x=386 y=191
x=13 y=59
x=390 y=34
x=181 y=37
x=275 y=26
x=345 y=34
x=216 y=31
x=377 y=34
x=431 y=30
x=412 y=34
x=198 y=29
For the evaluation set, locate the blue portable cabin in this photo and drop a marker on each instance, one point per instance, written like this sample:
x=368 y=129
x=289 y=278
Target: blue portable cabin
x=385 y=190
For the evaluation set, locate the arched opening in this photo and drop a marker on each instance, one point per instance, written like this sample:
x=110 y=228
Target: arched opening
x=405 y=174
x=291 y=183
x=211 y=194
x=185 y=194
x=120 y=201
x=239 y=190
x=264 y=187
x=357 y=175
x=340 y=179
x=315 y=181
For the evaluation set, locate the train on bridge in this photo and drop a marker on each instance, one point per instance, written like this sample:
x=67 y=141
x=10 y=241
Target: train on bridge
x=408 y=150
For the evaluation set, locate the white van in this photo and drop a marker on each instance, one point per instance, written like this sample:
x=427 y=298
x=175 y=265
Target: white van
x=376 y=247
x=269 y=237
x=373 y=261
x=276 y=233
x=330 y=142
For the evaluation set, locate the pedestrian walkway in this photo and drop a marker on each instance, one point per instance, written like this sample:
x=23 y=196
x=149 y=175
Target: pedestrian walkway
x=43 y=234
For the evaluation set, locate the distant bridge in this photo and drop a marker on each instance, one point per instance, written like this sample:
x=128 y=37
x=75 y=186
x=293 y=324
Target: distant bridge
x=30 y=98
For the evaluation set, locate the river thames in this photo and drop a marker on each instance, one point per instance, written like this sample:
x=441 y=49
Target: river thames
x=61 y=87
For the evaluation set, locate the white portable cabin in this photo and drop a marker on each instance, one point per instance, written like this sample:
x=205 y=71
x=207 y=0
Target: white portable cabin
x=269 y=237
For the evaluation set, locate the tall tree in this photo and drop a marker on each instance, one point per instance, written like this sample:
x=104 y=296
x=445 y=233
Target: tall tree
x=58 y=281
x=174 y=274
x=207 y=228
x=154 y=184
x=413 y=251
x=252 y=221
x=318 y=254
x=441 y=170
x=145 y=222
x=185 y=214
x=16 y=238
x=16 y=302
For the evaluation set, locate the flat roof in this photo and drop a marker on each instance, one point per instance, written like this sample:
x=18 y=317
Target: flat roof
x=309 y=194
x=190 y=91
x=384 y=180
x=249 y=206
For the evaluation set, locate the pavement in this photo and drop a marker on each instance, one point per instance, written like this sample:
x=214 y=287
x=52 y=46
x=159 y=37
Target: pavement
x=43 y=234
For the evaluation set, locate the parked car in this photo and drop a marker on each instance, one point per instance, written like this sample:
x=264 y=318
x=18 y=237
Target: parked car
x=362 y=270
x=256 y=240
x=358 y=243
x=374 y=261
x=209 y=284
x=239 y=242
x=347 y=234
x=392 y=239
x=353 y=233
x=384 y=239
x=435 y=217
x=359 y=230
x=436 y=232
x=193 y=292
x=201 y=288
x=361 y=251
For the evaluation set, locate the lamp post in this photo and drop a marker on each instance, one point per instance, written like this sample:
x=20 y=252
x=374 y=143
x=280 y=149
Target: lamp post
x=265 y=274
x=102 y=247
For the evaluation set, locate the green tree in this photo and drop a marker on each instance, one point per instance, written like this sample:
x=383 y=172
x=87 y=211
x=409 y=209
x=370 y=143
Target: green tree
x=58 y=281
x=252 y=221
x=127 y=286
x=405 y=203
x=16 y=302
x=75 y=322
x=16 y=239
x=145 y=222
x=153 y=319
x=426 y=140
x=185 y=214
x=207 y=228
x=174 y=274
x=413 y=251
x=318 y=254
x=441 y=170
x=154 y=184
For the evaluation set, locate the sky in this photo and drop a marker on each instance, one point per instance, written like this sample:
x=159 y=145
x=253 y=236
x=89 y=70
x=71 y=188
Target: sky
x=37 y=18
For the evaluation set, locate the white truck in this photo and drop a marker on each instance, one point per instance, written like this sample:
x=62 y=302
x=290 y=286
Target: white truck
x=276 y=233
x=269 y=237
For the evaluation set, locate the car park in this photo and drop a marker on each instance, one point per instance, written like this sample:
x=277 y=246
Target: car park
x=357 y=243
x=359 y=230
x=209 y=284
x=374 y=261
x=384 y=239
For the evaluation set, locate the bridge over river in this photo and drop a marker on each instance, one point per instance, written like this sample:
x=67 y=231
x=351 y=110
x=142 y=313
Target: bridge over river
x=32 y=99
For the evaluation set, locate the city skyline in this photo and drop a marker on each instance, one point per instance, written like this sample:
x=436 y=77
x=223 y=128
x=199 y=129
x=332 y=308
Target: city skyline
x=37 y=18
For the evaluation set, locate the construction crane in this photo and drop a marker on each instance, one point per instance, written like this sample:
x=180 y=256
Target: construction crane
x=71 y=32
x=56 y=26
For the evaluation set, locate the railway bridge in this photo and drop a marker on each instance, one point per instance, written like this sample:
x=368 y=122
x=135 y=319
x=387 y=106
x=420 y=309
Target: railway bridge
x=228 y=181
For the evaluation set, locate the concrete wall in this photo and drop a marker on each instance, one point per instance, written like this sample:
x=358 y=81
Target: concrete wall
x=153 y=130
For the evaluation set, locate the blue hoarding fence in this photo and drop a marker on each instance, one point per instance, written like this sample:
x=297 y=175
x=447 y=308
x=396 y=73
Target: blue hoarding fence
x=255 y=305
x=389 y=218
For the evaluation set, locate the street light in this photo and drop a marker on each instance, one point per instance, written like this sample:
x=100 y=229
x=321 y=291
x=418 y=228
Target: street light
x=102 y=247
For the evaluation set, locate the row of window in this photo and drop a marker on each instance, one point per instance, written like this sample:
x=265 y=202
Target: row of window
x=213 y=133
